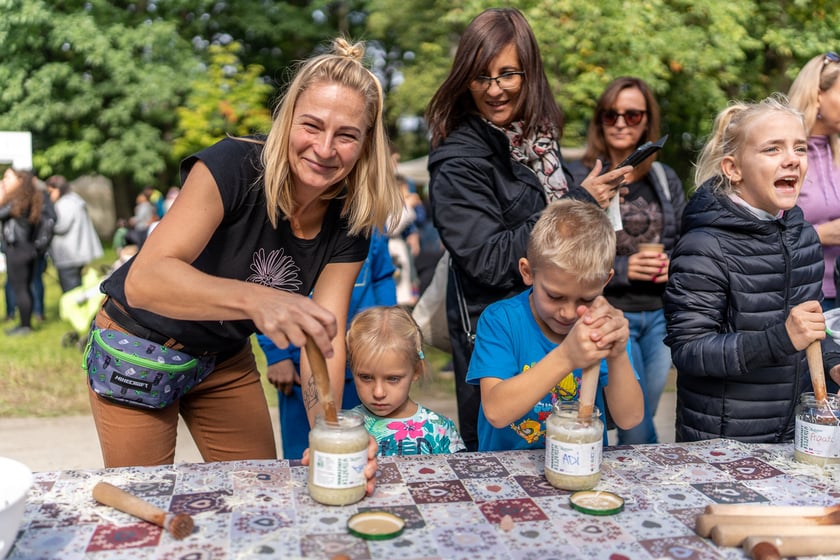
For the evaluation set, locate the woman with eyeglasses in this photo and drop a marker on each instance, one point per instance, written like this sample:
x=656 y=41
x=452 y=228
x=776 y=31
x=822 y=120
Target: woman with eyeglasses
x=626 y=116
x=816 y=92
x=494 y=165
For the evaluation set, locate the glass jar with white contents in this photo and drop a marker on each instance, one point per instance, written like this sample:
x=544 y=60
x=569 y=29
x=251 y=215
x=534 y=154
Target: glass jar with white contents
x=337 y=459
x=573 y=447
x=817 y=435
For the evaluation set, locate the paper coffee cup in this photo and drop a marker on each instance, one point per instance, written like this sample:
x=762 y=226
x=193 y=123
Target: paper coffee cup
x=652 y=247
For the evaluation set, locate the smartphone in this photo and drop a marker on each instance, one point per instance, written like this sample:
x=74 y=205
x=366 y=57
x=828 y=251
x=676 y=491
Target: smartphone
x=643 y=152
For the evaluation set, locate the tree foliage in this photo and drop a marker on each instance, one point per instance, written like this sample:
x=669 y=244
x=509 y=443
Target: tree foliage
x=97 y=92
x=126 y=88
x=225 y=99
x=102 y=84
x=697 y=55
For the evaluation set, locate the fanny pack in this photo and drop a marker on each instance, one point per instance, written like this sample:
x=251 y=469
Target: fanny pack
x=136 y=372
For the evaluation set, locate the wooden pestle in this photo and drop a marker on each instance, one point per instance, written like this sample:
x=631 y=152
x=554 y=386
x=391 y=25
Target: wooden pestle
x=318 y=365
x=180 y=525
x=588 y=388
x=815 y=364
x=763 y=549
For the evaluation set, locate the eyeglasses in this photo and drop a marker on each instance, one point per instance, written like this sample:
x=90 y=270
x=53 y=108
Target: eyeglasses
x=632 y=117
x=506 y=80
x=831 y=57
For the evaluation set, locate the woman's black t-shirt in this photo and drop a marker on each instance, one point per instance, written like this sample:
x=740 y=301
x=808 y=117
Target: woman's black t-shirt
x=246 y=247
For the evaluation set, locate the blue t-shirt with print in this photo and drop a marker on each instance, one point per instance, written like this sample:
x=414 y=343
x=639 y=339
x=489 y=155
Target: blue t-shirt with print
x=509 y=341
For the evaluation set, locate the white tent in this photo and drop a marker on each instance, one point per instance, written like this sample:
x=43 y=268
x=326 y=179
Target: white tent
x=415 y=170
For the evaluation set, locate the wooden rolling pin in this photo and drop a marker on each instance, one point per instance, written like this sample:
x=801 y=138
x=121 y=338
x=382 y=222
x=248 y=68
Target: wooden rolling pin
x=736 y=534
x=706 y=522
x=766 y=510
x=773 y=548
x=179 y=525
x=318 y=365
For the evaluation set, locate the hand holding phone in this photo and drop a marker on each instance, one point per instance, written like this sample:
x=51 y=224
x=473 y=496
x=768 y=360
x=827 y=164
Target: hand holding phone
x=643 y=152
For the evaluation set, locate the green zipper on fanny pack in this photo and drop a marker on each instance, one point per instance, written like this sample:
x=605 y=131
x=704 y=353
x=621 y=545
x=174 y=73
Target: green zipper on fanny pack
x=142 y=362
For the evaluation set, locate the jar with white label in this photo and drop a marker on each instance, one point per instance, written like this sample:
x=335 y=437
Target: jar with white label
x=573 y=447
x=337 y=459
x=817 y=435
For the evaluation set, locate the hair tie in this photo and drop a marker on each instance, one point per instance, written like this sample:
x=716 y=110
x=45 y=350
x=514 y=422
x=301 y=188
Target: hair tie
x=421 y=354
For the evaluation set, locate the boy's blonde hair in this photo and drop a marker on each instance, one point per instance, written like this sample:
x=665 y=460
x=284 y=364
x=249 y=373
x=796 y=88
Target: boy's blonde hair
x=729 y=136
x=576 y=237
x=381 y=329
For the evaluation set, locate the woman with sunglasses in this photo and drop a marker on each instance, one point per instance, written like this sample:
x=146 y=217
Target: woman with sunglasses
x=816 y=92
x=626 y=116
x=494 y=165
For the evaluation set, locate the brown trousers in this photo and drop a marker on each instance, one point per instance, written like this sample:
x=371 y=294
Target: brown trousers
x=227 y=416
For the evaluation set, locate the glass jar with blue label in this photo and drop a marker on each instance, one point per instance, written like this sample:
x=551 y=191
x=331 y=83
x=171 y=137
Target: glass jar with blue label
x=573 y=447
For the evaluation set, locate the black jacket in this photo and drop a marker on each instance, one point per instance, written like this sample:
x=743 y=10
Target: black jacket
x=732 y=283
x=484 y=206
x=14 y=231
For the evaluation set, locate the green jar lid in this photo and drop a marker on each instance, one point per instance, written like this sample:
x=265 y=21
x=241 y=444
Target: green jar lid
x=375 y=525
x=596 y=502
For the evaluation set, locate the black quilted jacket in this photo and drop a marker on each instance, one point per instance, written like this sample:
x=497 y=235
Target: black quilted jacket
x=732 y=283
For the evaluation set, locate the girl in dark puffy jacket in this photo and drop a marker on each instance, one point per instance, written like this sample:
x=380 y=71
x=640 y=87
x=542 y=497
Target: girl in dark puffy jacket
x=743 y=296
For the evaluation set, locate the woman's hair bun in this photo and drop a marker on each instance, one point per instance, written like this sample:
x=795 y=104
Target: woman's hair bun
x=342 y=47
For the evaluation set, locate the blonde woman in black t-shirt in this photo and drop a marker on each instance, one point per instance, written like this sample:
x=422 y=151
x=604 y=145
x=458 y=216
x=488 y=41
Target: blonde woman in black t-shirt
x=259 y=224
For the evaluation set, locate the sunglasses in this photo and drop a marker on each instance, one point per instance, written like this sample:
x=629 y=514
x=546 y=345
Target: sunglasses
x=632 y=117
x=831 y=57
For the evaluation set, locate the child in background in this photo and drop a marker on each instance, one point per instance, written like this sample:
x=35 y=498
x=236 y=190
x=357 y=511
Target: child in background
x=531 y=349
x=743 y=296
x=385 y=350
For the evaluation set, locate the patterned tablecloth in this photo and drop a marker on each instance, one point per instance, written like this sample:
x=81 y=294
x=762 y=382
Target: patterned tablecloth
x=453 y=505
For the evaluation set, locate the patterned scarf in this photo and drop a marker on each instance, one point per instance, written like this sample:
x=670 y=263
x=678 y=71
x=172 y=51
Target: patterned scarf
x=539 y=153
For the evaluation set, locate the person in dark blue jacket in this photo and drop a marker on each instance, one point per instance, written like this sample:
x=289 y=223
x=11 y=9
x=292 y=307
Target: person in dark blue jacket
x=743 y=296
x=374 y=285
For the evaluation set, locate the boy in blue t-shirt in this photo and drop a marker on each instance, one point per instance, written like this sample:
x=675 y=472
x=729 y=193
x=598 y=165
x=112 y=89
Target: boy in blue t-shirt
x=531 y=349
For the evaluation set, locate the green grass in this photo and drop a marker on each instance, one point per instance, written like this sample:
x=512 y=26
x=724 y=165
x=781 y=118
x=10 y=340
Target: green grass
x=41 y=377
